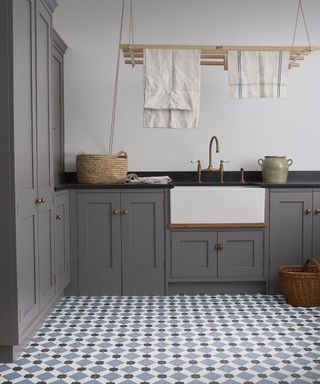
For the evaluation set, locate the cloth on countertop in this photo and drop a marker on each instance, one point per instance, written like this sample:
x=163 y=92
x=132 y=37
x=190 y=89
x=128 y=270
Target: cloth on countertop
x=254 y=74
x=172 y=88
x=132 y=178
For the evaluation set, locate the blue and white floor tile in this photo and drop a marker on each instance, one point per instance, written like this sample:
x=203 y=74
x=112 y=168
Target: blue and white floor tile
x=173 y=339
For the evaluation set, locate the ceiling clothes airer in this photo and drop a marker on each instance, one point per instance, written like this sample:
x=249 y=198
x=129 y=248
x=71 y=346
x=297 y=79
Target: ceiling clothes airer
x=217 y=55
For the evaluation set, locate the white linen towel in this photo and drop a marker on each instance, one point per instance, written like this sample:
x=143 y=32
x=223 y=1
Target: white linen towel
x=257 y=74
x=133 y=178
x=172 y=88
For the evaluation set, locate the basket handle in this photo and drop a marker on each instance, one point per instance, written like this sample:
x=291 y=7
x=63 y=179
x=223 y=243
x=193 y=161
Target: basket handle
x=122 y=154
x=311 y=262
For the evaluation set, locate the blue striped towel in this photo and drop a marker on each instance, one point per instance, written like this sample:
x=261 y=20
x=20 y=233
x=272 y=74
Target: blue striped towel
x=255 y=74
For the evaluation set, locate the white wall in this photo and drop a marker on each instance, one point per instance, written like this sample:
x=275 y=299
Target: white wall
x=247 y=129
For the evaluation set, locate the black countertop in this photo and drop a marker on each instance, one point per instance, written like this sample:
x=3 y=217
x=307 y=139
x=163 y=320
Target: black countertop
x=296 y=179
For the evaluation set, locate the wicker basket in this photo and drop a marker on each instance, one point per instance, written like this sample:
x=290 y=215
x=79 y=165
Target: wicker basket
x=300 y=285
x=102 y=169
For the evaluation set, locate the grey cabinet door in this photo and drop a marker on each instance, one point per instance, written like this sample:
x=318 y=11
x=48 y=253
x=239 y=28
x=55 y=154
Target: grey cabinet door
x=290 y=231
x=25 y=160
x=99 y=243
x=316 y=225
x=193 y=255
x=142 y=243
x=57 y=115
x=241 y=254
x=44 y=154
x=61 y=241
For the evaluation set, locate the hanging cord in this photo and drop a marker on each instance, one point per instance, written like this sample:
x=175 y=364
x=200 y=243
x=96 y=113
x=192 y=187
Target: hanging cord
x=116 y=83
x=131 y=36
x=300 y=9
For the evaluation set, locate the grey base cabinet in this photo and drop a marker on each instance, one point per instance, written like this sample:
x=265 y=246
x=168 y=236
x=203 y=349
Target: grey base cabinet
x=294 y=229
x=216 y=255
x=121 y=242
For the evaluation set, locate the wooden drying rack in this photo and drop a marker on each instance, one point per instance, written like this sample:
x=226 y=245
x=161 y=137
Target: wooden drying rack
x=216 y=54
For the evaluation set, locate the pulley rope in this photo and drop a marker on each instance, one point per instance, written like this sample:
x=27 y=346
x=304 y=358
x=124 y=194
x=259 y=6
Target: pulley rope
x=116 y=84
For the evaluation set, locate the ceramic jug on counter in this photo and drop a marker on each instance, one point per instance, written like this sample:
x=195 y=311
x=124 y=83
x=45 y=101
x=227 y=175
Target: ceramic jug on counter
x=275 y=169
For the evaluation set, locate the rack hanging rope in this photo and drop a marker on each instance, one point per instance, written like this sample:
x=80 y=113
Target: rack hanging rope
x=116 y=83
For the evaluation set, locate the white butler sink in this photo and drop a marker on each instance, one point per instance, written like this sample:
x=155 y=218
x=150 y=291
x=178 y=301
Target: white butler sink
x=215 y=205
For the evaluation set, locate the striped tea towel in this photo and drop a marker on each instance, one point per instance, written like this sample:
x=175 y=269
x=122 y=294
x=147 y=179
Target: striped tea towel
x=254 y=74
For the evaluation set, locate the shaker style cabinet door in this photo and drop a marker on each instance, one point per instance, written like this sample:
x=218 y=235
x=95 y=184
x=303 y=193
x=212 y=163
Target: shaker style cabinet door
x=193 y=255
x=99 y=243
x=44 y=155
x=25 y=161
x=316 y=225
x=58 y=50
x=241 y=254
x=290 y=231
x=61 y=240
x=142 y=221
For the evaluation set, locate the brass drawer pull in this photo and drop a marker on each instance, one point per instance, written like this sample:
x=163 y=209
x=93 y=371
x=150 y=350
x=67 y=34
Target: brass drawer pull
x=38 y=200
x=43 y=200
x=58 y=217
x=116 y=211
x=308 y=211
x=317 y=211
x=218 y=246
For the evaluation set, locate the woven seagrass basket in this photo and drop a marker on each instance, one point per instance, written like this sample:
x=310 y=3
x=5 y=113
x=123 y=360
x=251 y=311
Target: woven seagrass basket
x=102 y=169
x=300 y=285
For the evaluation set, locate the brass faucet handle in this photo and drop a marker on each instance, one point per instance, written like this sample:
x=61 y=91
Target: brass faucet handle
x=242 y=175
x=199 y=169
x=221 y=170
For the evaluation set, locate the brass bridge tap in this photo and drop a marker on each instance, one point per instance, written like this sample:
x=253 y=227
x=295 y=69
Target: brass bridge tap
x=210 y=166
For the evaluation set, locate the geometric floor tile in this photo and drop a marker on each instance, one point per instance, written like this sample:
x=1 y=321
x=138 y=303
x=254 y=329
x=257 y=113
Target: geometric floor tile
x=172 y=339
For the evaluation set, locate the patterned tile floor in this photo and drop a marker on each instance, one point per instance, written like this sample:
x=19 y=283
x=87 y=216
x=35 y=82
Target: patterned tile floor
x=174 y=339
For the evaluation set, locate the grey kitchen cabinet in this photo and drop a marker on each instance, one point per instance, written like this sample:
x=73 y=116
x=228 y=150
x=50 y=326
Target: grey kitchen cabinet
x=121 y=242
x=61 y=241
x=99 y=243
x=209 y=255
x=27 y=267
x=58 y=50
x=142 y=230
x=294 y=229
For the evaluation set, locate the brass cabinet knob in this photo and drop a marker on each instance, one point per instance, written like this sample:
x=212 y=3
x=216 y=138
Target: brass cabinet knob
x=308 y=211
x=218 y=246
x=38 y=200
x=58 y=217
x=125 y=212
x=317 y=211
x=116 y=211
x=43 y=200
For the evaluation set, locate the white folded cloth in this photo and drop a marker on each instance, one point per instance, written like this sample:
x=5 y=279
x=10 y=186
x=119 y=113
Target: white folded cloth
x=172 y=88
x=132 y=178
x=258 y=74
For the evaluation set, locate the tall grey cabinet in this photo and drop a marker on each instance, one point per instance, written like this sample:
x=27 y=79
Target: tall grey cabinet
x=26 y=203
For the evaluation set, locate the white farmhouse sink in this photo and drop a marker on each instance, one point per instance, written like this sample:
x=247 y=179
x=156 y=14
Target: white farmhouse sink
x=215 y=205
